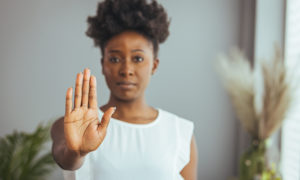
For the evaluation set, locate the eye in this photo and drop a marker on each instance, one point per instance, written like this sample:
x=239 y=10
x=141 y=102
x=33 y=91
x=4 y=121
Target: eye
x=138 y=58
x=114 y=59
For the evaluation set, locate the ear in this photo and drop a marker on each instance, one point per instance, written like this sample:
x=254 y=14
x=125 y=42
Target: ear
x=101 y=61
x=155 y=65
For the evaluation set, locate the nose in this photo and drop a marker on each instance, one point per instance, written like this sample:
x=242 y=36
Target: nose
x=126 y=69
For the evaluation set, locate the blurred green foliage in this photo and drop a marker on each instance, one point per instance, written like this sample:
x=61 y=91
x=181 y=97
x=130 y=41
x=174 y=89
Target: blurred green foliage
x=253 y=164
x=23 y=155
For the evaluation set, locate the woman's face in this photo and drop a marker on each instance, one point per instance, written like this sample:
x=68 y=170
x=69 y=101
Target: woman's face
x=128 y=64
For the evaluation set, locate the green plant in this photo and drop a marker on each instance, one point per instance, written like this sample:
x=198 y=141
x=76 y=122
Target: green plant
x=21 y=157
x=252 y=162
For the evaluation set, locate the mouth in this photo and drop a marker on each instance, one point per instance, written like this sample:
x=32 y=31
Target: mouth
x=126 y=84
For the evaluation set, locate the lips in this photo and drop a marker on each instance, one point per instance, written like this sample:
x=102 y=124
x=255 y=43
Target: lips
x=126 y=84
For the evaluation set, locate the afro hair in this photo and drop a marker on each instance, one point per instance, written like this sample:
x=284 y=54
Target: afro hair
x=116 y=16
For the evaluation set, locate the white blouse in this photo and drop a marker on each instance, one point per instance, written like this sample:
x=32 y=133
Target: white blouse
x=158 y=150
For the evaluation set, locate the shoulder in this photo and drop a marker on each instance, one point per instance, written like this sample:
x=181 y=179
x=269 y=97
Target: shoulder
x=180 y=121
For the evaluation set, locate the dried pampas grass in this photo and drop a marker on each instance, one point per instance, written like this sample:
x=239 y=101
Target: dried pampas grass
x=238 y=78
x=277 y=95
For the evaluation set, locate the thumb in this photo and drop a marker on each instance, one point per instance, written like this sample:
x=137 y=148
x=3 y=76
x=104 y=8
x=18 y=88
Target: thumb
x=106 y=118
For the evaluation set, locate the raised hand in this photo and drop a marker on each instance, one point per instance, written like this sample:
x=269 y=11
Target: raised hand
x=83 y=131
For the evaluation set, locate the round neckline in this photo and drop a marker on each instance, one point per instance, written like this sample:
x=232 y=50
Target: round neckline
x=152 y=123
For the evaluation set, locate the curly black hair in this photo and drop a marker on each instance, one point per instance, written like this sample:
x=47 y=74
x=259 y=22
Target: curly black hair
x=116 y=16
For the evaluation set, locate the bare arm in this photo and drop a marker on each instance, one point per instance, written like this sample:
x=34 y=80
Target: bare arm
x=189 y=172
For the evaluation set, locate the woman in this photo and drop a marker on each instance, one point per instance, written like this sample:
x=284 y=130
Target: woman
x=133 y=140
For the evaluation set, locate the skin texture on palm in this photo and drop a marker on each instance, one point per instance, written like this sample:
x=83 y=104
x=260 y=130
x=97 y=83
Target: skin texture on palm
x=83 y=130
x=79 y=131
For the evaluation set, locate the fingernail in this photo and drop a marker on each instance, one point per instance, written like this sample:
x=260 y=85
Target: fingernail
x=115 y=108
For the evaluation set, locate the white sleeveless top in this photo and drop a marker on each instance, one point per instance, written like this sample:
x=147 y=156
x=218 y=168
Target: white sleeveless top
x=158 y=150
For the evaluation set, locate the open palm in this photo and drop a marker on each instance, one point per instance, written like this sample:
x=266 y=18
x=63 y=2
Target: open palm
x=83 y=130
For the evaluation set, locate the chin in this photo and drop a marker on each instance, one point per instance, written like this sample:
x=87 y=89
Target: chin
x=125 y=97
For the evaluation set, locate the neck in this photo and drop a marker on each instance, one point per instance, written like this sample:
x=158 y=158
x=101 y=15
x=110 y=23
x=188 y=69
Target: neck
x=128 y=109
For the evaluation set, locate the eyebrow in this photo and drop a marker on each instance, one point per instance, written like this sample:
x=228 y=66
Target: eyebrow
x=135 y=50
x=114 y=51
x=118 y=51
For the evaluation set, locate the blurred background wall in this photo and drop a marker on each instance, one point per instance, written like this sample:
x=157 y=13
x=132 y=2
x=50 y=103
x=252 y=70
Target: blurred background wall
x=43 y=45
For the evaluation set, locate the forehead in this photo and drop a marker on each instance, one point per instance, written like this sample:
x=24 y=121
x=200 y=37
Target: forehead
x=129 y=40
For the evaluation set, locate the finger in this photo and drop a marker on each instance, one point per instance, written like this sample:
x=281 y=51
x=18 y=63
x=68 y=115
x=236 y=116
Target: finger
x=85 y=90
x=68 y=101
x=106 y=118
x=93 y=93
x=78 y=90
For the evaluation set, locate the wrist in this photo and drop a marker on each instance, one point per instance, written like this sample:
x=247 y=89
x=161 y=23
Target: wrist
x=74 y=154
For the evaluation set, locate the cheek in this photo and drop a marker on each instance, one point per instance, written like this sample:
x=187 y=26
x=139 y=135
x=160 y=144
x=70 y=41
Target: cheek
x=109 y=76
x=145 y=74
x=147 y=68
x=108 y=71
